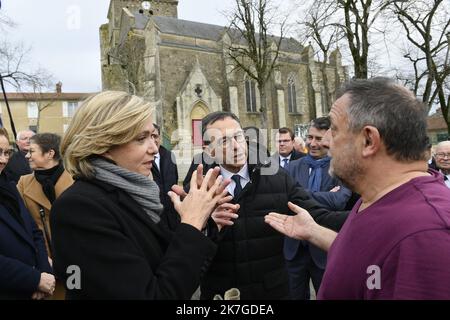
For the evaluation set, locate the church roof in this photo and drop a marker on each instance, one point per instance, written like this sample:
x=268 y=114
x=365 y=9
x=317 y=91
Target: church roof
x=185 y=28
x=189 y=28
x=140 y=20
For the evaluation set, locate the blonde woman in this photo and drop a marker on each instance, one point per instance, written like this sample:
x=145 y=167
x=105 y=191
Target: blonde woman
x=108 y=231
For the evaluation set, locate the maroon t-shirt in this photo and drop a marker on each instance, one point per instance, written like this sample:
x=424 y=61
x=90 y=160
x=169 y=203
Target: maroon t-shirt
x=398 y=248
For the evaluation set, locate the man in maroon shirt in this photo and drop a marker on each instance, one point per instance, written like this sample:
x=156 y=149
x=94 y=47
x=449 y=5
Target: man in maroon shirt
x=395 y=243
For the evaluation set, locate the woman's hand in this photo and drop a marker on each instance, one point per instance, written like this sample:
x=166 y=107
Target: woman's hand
x=39 y=295
x=202 y=198
x=47 y=283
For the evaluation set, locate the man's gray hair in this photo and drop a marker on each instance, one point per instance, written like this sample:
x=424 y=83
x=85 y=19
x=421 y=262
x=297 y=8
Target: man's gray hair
x=23 y=131
x=393 y=110
x=441 y=144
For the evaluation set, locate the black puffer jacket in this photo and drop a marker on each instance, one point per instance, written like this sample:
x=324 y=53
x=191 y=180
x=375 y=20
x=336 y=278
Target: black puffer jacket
x=250 y=253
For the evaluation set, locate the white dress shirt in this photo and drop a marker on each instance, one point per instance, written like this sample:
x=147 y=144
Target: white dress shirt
x=243 y=173
x=157 y=161
x=288 y=158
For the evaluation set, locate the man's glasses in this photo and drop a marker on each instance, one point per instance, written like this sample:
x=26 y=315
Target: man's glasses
x=5 y=153
x=442 y=155
x=228 y=140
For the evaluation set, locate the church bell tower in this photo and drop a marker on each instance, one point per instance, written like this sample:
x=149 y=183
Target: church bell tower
x=167 y=8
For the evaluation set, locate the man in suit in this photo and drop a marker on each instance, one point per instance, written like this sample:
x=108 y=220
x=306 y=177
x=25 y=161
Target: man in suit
x=304 y=260
x=443 y=160
x=285 y=145
x=165 y=174
x=18 y=165
x=250 y=256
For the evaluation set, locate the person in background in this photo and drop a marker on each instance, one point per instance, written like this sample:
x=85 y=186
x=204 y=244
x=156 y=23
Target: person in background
x=442 y=155
x=300 y=146
x=108 y=223
x=311 y=171
x=165 y=174
x=285 y=147
x=42 y=187
x=430 y=156
x=25 y=272
x=18 y=165
x=306 y=262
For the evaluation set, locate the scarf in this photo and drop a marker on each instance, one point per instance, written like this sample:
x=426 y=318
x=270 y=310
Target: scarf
x=48 y=178
x=141 y=188
x=315 y=178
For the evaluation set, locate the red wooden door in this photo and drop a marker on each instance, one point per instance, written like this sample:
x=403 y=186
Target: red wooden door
x=197 y=132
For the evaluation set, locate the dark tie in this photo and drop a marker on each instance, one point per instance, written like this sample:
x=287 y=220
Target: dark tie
x=285 y=163
x=155 y=171
x=238 y=188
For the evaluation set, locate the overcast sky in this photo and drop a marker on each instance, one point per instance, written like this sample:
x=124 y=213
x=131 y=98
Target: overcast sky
x=70 y=50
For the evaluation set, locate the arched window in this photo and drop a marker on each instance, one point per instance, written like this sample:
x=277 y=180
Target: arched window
x=250 y=95
x=292 y=96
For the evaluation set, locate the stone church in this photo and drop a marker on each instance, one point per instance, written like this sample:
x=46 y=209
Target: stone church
x=183 y=68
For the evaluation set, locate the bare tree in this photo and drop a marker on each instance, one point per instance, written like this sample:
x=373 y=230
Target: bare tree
x=130 y=54
x=16 y=72
x=253 y=49
x=6 y=22
x=427 y=26
x=360 y=20
x=320 y=26
x=15 y=69
x=362 y=24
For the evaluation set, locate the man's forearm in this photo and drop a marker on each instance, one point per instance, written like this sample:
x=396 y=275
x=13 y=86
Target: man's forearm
x=322 y=237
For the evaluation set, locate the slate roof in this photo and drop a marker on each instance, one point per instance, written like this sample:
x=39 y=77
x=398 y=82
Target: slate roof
x=185 y=28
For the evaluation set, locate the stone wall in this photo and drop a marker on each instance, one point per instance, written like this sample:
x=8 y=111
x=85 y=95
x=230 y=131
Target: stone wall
x=165 y=8
x=176 y=65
